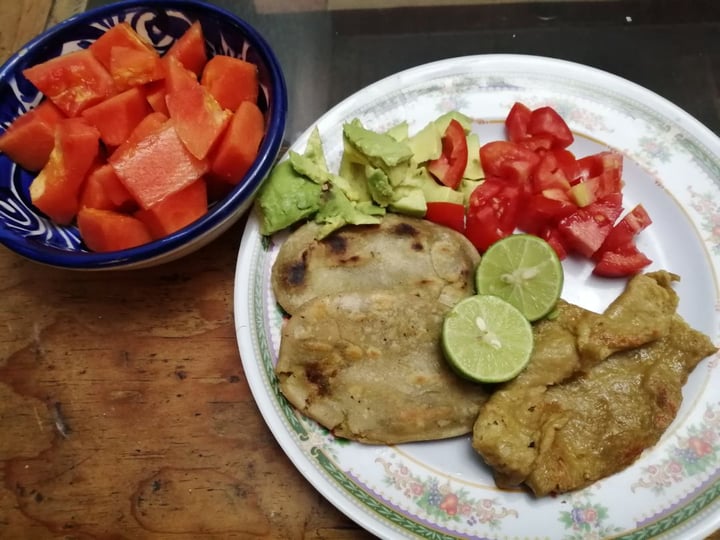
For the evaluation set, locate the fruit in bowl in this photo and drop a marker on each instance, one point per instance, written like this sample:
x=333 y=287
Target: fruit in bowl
x=135 y=133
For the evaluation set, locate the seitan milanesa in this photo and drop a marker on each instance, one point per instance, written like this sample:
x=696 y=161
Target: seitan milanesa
x=598 y=390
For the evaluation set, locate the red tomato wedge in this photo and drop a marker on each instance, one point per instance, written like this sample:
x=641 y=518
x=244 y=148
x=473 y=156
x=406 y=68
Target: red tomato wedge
x=586 y=229
x=176 y=211
x=231 y=81
x=117 y=116
x=504 y=159
x=624 y=232
x=73 y=82
x=446 y=213
x=120 y=35
x=238 y=147
x=516 y=122
x=132 y=67
x=545 y=121
x=625 y=261
x=56 y=189
x=492 y=212
x=189 y=49
x=106 y=230
x=450 y=166
x=29 y=140
x=157 y=166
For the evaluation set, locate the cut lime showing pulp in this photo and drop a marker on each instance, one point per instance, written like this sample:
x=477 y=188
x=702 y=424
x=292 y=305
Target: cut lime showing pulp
x=486 y=339
x=523 y=270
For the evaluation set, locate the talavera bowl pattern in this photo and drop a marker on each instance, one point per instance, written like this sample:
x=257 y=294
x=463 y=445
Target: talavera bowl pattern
x=29 y=233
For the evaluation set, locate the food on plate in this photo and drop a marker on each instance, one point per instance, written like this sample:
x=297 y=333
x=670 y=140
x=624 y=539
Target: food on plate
x=486 y=339
x=401 y=252
x=523 y=270
x=368 y=366
x=530 y=182
x=149 y=140
x=598 y=390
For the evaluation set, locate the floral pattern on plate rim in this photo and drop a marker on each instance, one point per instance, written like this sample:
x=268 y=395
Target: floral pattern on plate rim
x=436 y=501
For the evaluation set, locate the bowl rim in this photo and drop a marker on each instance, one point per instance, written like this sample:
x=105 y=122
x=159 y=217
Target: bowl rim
x=220 y=211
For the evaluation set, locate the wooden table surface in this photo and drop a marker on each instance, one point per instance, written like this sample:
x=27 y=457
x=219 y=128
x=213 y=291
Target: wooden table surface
x=124 y=410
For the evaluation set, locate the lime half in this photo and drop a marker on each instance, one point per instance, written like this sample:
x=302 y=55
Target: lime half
x=523 y=270
x=486 y=339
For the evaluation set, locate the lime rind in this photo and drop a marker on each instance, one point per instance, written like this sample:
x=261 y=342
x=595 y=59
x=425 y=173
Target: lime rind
x=486 y=339
x=523 y=270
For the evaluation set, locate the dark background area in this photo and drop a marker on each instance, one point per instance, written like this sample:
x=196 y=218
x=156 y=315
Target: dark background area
x=669 y=47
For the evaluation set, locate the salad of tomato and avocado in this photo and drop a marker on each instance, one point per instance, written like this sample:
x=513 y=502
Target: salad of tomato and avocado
x=529 y=182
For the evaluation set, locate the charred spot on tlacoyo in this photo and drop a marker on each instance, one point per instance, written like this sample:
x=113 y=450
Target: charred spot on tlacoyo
x=404 y=229
x=295 y=272
x=336 y=242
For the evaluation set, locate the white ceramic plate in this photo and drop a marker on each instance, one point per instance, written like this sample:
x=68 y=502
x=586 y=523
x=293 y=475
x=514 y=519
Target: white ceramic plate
x=441 y=489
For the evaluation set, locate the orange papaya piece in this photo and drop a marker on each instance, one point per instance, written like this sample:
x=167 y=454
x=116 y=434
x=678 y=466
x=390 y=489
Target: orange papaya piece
x=239 y=145
x=116 y=117
x=176 y=211
x=132 y=67
x=29 y=140
x=231 y=80
x=120 y=35
x=107 y=230
x=189 y=49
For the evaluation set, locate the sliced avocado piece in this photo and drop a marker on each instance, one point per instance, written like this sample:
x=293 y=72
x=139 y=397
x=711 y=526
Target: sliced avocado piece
x=379 y=148
x=314 y=149
x=285 y=198
x=354 y=174
x=399 y=132
x=379 y=185
x=337 y=210
x=433 y=191
x=409 y=201
x=426 y=144
x=308 y=168
x=443 y=120
x=466 y=187
x=473 y=169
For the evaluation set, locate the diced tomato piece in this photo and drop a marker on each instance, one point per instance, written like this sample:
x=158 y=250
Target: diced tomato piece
x=624 y=231
x=482 y=228
x=596 y=164
x=553 y=237
x=104 y=190
x=586 y=229
x=621 y=262
x=547 y=121
x=56 y=189
x=29 y=140
x=516 y=122
x=198 y=117
x=106 y=230
x=231 y=80
x=492 y=211
x=176 y=211
x=537 y=143
x=539 y=211
x=155 y=93
x=450 y=166
x=508 y=160
x=567 y=163
x=117 y=116
x=157 y=166
x=549 y=175
x=446 y=213
x=73 y=81
x=132 y=67
x=120 y=35
x=238 y=147
x=189 y=49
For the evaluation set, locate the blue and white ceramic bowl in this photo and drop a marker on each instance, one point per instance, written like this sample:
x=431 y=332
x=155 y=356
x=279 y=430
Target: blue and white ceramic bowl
x=28 y=232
